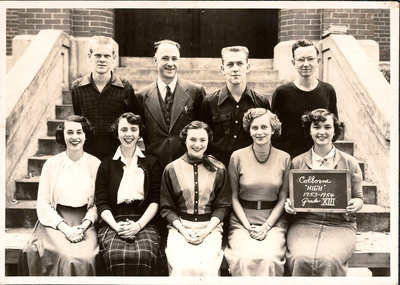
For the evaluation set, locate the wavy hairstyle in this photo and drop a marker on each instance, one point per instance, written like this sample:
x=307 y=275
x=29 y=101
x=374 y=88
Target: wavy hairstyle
x=86 y=127
x=321 y=115
x=253 y=113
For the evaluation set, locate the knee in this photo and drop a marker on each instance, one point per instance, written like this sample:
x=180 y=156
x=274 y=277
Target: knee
x=302 y=260
x=329 y=261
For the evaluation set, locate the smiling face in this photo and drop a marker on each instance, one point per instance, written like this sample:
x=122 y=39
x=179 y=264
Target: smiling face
x=305 y=61
x=167 y=62
x=196 y=142
x=235 y=67
x=323 y=132
x=260 y=130
x=74 y=136
x=128 y=134
x=102 y=58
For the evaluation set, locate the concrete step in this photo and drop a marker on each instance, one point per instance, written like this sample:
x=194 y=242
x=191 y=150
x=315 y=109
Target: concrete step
x=370 y=192
x=48 y=145
x=66 y=97
x=27 y=188
x=35 y=164
x=134 y=74
x=21 y=214
x=63 y=111
x=52 y=126
x=372 y=249
x=373 y=218
x=193 y=63
x=346 y=146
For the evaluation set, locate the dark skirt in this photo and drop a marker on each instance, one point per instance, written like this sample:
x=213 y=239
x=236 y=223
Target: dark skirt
x=139 y=257
x=49 y=253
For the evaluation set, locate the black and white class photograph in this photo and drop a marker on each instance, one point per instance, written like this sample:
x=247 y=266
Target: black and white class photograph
x=199 y=142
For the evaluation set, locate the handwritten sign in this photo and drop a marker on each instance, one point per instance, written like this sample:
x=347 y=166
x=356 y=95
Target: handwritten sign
x=319 y=190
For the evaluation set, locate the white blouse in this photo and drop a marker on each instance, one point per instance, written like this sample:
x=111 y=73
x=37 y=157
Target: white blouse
x=74 y=184
x=132 y=182
x=325 y=162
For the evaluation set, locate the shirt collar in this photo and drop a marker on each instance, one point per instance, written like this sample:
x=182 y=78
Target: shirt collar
x=161 y=85
x=118 y=154
x=226 y=94
x=330 y=154
x=115 y=80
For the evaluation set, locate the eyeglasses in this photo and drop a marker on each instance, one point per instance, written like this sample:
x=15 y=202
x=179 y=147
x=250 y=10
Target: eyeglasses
x=308 y=59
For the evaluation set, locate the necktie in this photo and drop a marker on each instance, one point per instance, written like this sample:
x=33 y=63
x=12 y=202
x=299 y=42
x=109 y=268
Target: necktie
x=168 y=104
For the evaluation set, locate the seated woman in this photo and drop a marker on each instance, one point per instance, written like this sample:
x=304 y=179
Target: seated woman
x=195 y=197
x=320 y=244
x=259 y=181
x=64 y=241
x=127 y=197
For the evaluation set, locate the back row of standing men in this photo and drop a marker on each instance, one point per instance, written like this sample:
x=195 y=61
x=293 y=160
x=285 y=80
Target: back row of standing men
x=171 y=102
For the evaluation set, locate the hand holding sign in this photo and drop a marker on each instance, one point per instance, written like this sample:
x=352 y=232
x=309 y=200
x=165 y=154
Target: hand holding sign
x=354 y=205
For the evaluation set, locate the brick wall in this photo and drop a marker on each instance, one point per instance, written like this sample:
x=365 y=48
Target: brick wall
x=359 y=22
x=90 y=22
x=11 y=28
x=382 y=32
x=363 y=24
x=299 y=24
x=31 y=21
x=75 y=22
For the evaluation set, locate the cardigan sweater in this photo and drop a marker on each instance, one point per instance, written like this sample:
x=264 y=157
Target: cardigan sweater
x=46 y=203
x=109 y=177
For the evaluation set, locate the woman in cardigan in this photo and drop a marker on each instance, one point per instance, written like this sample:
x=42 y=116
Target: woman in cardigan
x=195 y=197
x=320 y=244
x=127 y=197
x=64 y=241
x=259 y=181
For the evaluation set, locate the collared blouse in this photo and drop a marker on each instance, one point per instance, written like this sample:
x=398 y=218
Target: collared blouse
x=326 y=162
x=132 y=182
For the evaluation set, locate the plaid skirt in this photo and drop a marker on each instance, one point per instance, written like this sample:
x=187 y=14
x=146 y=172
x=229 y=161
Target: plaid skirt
x=140 y=257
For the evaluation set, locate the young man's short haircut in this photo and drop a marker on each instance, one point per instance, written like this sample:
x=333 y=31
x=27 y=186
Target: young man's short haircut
x=235 y=49
x=303 y=43
x=101 y=40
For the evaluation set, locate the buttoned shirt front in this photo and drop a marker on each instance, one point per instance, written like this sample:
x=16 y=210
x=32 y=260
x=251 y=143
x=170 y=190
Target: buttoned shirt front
x=162 y=87
x=132 y=182
x=225 y=117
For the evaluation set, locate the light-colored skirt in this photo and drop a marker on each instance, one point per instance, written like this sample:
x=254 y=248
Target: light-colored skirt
x=49 y=253
x=185 y=259
x=320 y=247
x=250 y=257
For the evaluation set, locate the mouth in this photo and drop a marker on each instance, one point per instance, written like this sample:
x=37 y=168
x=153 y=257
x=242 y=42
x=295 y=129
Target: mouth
x=75 y=142
x=128 y=141
x=197 y=149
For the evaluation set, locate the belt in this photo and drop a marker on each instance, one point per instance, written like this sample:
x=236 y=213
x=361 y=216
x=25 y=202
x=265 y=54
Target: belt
x=257 y=205
x=195 y=218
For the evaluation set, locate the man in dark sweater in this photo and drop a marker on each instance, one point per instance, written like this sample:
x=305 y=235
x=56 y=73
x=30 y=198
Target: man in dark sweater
x=223 y=110
x=102 y=96
x=306 y=93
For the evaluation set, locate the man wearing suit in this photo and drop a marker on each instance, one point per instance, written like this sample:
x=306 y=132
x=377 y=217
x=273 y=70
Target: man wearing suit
x=168 y=104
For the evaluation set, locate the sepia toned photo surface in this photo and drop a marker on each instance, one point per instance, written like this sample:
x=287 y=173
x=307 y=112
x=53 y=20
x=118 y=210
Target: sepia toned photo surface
x=171 y=142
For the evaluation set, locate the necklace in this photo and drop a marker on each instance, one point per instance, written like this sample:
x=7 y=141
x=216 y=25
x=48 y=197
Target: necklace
x=261 y=161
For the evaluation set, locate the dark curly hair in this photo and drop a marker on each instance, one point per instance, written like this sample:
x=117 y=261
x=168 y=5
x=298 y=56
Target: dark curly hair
x=194 y=126
x=86 y=127
x=321 y=115
x=132 y=119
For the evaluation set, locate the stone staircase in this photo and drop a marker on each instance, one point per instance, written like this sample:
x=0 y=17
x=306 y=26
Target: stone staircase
x=373 y=220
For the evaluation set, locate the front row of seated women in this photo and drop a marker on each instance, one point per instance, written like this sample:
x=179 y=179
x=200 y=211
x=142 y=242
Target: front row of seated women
x=195 y=193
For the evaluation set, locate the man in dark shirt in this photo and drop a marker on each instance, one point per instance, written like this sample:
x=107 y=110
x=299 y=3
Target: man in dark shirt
x=102 y=96
x=306 y=93
x=223 y=110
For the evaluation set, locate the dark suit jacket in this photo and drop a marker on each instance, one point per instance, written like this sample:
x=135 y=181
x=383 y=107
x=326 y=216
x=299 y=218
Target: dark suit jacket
x=109 y=176
x=158 y=139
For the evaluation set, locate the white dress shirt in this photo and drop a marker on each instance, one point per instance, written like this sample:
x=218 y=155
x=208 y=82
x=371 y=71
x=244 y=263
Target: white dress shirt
x=74 y=183
x=162 y=87
x=132 y=182
x=325 y=162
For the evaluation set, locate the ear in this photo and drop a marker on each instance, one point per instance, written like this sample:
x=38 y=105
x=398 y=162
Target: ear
x=155 y=60
x=222 y=69
x=293 y=61
x=247 y=67
x=89 y=55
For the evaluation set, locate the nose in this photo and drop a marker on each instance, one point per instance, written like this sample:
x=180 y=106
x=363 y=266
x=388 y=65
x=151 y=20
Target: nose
x=170 y=62
x=235 y=67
